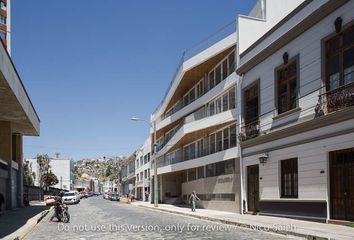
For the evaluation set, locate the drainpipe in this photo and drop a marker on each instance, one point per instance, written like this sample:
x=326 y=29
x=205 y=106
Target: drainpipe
x=239 y=121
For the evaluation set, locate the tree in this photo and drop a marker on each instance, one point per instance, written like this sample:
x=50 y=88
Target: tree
x=43 y=162
x=49 y=179
x=28 y=175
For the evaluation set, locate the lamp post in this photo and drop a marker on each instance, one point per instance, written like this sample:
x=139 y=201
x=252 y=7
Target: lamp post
x=154 y=157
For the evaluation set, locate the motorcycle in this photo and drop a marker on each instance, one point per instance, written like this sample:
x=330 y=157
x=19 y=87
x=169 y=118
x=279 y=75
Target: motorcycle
x=63 y=213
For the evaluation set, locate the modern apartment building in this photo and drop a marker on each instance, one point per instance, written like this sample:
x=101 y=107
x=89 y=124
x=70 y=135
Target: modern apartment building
x=199 y=119
x=142 y=171
x=297 y=112
x=196 y=128
x=5 y=24
x=63 y=169
x=18 y=118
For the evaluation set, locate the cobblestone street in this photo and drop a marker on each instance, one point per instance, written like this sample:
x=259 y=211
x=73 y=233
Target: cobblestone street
x=96 y=218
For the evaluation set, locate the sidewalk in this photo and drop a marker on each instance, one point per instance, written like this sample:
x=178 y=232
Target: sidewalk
x=285 y=226
x=18 y=222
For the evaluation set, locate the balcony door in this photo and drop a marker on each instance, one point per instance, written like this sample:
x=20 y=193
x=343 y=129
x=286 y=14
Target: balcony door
x=253 y=188
x=342 y=184
x=251 y=104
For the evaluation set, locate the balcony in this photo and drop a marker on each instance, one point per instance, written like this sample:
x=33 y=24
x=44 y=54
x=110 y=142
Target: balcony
x=335 y=100
x=249 y=131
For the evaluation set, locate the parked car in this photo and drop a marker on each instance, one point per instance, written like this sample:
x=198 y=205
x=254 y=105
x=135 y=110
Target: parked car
x=83 y=194
x=114 y=197
x=71 y=197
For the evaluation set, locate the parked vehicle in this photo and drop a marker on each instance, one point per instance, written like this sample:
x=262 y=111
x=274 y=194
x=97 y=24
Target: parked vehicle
x=63 y=213
x=114 y=197
x=71 y=197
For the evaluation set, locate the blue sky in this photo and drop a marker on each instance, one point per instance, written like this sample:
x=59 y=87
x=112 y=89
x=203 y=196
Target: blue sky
x=89 y=66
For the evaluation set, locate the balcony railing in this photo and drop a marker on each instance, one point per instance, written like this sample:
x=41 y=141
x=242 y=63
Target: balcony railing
x=249 y=131
x=335 y=100
x=181 y=104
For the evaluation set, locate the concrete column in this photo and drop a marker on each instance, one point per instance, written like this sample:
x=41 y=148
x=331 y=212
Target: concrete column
x=6 y=155
x=18 y=142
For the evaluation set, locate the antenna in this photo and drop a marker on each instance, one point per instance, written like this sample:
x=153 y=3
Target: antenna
x=57 y=154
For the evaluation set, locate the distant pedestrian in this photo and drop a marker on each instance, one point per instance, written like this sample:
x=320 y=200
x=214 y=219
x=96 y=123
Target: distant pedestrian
x=192 y=199
x=2 y=200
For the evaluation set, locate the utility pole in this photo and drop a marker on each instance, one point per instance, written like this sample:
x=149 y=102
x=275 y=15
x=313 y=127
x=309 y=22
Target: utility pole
x=156 y=199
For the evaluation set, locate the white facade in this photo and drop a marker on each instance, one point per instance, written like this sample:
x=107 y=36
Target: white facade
x=62 y=169
x=143 y=171
x=300 y=133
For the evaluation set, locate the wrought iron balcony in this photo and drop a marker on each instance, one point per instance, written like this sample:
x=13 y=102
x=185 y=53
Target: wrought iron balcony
x=335 y=100
x=249 y=131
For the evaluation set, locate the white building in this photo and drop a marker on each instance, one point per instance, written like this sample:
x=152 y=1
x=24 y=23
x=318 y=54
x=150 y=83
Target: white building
x=108 y=186
x=297 y=113
x=142 y=171
x=62 y=168
x=198 y=120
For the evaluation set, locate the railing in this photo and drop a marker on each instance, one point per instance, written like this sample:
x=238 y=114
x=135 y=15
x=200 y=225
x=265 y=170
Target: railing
x=335 y=100
x=181 y=104
x=198 y=48
x=249 y=131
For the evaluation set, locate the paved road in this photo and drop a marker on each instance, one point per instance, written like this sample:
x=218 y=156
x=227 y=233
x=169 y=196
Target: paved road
x=96 y=218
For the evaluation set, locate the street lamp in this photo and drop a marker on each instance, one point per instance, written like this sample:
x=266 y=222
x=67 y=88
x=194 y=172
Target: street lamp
x=154 y=157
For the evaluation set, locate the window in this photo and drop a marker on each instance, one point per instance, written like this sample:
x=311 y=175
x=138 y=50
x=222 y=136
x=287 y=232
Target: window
x=149 y=156
x=232 y=98
x=137 y=177
x=289 y=186
x=251 y=104
x=218 y=105
x=192 y=151
x=186 y=153
x=233 y=137
x=200 y=172
x=184 y=176
x=191 y=95
x=211 y=108
x=287 y=87
x=148 y=172
x=340 y=59
x=224 y=69
x=212 y=143
x=192 y=174
x=210 y=170
x=141 y=161
x=217 y=75
x=219 y=141
x=232 y=62
x=230 y=166
x=200 y=148
x=225 y=103
x=226 y=138
x=205 y=84
x=211 y=80
x=137 y=163
x=206 y=146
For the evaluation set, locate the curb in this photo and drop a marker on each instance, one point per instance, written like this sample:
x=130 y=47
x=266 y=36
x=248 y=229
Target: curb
x=242 y=225
x=34 y=223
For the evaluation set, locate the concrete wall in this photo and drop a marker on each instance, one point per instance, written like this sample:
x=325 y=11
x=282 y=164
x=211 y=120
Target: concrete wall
x=221 y=184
